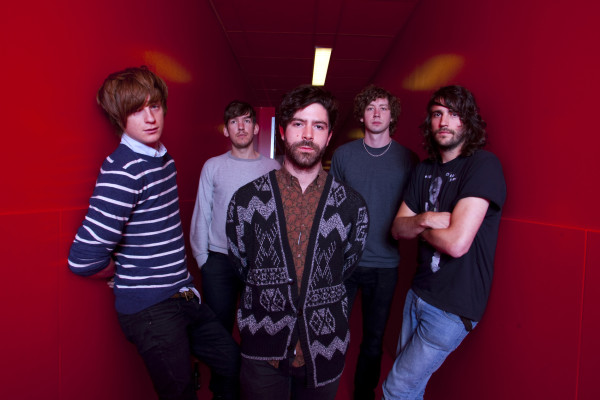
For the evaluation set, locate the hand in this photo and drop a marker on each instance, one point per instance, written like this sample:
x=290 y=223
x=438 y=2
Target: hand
x=111 y=282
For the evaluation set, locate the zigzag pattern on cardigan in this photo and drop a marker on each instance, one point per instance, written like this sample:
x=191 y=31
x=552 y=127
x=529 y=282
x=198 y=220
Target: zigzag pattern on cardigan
x=266 y=323
x=273 y=314
x=327 y=351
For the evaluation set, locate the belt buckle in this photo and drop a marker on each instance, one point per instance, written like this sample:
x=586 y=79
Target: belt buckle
x=188 y=295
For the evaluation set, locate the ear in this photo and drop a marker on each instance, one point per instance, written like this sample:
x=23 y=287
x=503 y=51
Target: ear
x=329 y=138
x=282 y=133
x=256 y=129
x=225 y=132
x=362 y=120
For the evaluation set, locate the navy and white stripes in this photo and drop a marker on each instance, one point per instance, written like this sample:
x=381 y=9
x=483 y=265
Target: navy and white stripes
x=134 y=215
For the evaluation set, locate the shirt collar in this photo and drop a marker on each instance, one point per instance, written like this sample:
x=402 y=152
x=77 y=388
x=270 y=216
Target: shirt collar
x=141 y=148
x=289 y=179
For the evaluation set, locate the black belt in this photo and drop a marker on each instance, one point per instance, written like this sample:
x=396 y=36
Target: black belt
x=467 y=323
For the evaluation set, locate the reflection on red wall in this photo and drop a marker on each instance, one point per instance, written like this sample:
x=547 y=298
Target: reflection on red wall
x=532 y=67
x=60 y=334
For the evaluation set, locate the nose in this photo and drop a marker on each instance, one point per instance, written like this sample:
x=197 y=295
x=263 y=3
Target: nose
x=376 y=112
x=444 y=120
x=307 y=133
x=149 y=115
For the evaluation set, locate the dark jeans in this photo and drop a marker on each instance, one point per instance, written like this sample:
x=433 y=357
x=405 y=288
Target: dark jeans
x=261 y=381
x=221 y=287
x=166 y=335
x=377 y=286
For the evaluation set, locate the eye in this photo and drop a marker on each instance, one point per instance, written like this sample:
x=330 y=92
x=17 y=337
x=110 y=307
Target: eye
x=155 y=106
x=454 y=114
x=436 y=114
x=320 y=127
x=247 y=121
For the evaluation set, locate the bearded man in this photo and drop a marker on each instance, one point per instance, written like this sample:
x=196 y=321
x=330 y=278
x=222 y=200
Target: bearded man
x=453 y=204
x=295 y=235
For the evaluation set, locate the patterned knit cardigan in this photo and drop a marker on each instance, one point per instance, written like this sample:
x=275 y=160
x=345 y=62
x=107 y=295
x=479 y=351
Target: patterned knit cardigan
x=272 y=315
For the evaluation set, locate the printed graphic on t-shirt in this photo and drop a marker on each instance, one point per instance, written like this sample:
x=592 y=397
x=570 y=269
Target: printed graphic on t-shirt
x=433 y=204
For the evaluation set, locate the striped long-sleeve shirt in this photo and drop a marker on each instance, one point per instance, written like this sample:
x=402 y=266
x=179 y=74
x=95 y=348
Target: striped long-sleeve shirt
x=134 y=216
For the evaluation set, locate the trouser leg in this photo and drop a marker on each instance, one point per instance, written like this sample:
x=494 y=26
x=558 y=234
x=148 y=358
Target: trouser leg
x=301 y=392
x=378 y=286
x=262 y=381
x=160 y=335
x=259 y=380
x=212 y=344
x=436 y=334
x=220 y=288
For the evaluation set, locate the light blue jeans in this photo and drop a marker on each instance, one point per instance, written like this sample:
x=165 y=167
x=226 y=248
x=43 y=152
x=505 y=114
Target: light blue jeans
x=428 y=336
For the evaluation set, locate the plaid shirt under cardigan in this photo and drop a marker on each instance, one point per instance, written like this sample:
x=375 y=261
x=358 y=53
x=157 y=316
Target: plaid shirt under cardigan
x=273 y=314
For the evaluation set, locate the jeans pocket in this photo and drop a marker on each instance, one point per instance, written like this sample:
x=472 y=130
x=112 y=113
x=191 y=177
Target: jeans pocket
x=452 y=317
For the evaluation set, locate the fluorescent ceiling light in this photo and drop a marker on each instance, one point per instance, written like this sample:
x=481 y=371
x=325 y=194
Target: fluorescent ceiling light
x=322 y=55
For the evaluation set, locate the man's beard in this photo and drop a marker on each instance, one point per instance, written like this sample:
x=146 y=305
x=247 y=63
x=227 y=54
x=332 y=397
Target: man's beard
x=303 y=160
x=458 y=138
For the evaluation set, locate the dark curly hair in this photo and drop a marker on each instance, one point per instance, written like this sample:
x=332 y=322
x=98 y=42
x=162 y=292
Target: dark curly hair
x=461 y=101
x=371 y=93
x=302 y=97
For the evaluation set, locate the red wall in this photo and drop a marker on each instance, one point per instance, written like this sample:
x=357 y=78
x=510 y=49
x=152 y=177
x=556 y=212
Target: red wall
x=532 y=66
x=60 y=336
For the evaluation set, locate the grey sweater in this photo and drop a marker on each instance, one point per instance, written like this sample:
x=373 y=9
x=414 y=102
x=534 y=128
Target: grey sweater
x=221 y=176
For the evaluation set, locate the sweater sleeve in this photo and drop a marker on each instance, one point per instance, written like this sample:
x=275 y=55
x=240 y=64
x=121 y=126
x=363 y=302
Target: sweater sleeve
x=235 y=237
x=110 y=206
x=357 y=235
x=202 y=217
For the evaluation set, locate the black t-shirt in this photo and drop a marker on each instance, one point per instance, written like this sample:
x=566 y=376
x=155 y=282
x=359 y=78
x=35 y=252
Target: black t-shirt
x=458 y=285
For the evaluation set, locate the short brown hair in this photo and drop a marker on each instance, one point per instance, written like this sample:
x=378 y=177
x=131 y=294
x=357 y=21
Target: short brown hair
x=372 y=93
x=124 y=92
x=238 y=108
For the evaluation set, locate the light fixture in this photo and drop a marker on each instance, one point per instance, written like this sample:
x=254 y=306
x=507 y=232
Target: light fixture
x=322 y=55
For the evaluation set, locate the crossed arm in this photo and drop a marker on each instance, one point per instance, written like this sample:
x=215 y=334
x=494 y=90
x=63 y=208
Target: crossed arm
x=449 y=233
